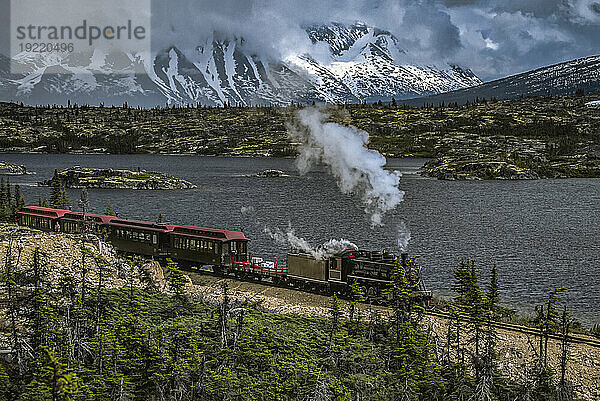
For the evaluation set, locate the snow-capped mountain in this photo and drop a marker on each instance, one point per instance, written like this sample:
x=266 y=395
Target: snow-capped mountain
x=363 y=64
x=558 y=79
x=371 y=65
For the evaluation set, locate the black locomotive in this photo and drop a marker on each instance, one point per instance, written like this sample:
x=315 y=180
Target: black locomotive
x=371 y=269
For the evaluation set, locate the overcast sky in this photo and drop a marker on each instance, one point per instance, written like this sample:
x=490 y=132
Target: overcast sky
x=494 y=38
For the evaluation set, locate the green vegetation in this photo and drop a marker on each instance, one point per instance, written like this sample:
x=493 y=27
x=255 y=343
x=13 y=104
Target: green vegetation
x=522 y=138
x=85 y=177
x=58 y=196
x=10 y=204
x=11 y=169
x=76 y=339
x=109 y=210
x=473 y=337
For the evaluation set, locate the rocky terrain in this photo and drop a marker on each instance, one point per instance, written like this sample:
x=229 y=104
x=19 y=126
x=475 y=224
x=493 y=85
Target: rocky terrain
x=451 y=169
x=12 y=169
x=545 y=137
x=84 y=177
x=62 y=254
x=270 y=174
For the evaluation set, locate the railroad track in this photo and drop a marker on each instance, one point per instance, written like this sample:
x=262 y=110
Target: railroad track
x=572 y=338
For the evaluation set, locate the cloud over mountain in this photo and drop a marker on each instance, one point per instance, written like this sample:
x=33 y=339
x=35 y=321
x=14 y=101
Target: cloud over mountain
x=493 y=37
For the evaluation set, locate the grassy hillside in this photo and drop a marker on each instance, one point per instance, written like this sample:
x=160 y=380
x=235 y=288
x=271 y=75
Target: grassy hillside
x=524 y=138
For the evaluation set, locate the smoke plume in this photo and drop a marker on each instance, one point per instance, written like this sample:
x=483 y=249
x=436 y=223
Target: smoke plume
x=403 y=237
x=323 y=251
x=355 y=167
x=246 y=210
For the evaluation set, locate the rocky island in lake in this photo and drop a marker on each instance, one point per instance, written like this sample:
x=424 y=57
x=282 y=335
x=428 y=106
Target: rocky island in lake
x=449 y=168
x=270 y=174
x=12 y=169
x=85 y=177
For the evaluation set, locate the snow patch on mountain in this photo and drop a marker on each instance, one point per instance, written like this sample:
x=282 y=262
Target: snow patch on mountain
x=364 y=63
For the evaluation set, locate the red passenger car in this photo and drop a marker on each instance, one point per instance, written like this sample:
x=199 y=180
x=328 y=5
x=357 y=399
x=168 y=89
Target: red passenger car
x=208 y=246
x=139 y=237
x=42 y=218
x=72 y=222
x=196 y=246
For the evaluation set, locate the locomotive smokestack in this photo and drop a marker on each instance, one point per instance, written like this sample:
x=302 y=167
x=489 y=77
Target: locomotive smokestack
x=404 y=257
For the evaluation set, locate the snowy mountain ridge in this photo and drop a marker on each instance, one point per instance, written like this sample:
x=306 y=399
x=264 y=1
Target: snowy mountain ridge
x=365 y=64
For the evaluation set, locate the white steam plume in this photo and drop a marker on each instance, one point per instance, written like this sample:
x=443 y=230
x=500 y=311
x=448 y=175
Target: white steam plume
x=355 y=167
x=245 y=210
x=403 y=236
x=330 y=248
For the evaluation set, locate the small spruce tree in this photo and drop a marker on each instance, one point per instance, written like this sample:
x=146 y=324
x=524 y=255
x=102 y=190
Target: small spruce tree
x=176 y=280
x=336 y=314
x=58 y=195
x=109 y=210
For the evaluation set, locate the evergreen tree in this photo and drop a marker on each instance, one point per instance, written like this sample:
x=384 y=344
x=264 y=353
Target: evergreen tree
x=176 y=280
x=357 y=294
x=40 y=308
x=7 y=203
x=416 y=375
x=223 y=321
x=58 y=195
x=19 y=202
x=5 y=385
x=565 y=389
x=404 y=300
x=471 y=301
x=84 y=204
x=8 y=207
x=548 y=323
x=336 y=313
x=109 y=210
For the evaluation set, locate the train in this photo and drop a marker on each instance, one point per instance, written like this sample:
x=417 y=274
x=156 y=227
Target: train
x=226 y=253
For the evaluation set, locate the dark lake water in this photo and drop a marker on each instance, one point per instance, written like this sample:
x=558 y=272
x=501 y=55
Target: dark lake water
x=542 y=234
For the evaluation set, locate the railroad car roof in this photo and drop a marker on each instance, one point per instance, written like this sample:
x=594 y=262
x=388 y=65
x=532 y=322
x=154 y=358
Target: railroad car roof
x=43 y=211
x=215 y=233
x=143 y=225
x=96 y=217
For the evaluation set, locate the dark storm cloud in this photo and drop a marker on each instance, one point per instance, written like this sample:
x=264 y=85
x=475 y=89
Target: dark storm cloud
x=493 y=37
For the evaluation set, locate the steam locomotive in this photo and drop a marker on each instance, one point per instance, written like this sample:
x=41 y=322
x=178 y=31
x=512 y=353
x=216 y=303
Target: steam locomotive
x=226 y=253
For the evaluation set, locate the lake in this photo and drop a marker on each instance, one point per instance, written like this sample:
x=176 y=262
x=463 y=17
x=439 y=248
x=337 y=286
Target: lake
x=542 y=234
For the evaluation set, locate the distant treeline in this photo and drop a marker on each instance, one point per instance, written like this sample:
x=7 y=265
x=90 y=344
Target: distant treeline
x=565 y=123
